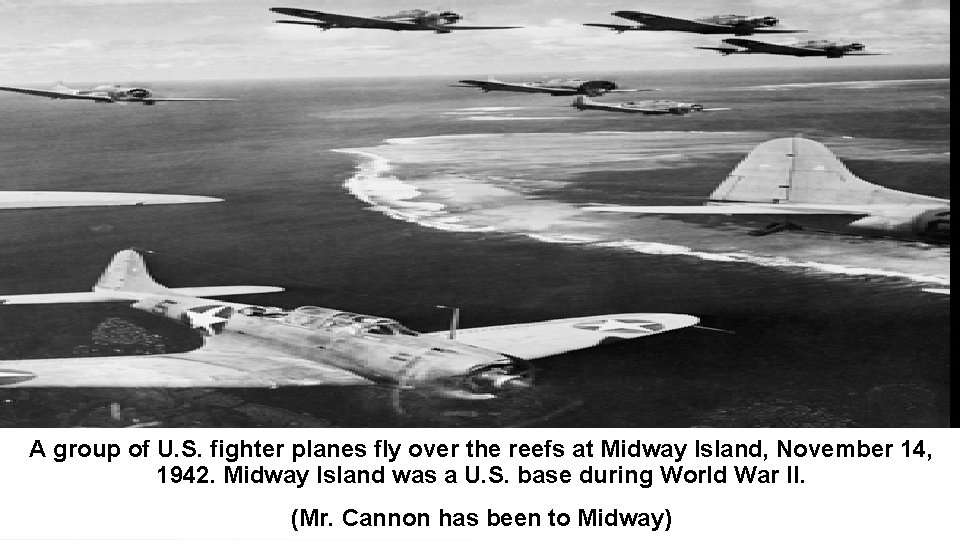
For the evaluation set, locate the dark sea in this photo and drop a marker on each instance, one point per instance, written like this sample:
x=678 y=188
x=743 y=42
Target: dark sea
x=394 y=196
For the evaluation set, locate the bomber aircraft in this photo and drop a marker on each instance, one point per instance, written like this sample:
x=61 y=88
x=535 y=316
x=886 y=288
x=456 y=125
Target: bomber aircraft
x=442 y=22
x=649 y=107
x=104 y=94
x=554 y=87
x=819 y=47
x=797 y=183
x=740 y=25
x=255 y=346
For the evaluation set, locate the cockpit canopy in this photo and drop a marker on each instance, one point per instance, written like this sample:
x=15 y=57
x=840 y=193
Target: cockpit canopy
x=318 y=318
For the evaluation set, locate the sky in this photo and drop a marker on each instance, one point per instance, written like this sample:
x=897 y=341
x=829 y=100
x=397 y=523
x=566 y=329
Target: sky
x=124 y=40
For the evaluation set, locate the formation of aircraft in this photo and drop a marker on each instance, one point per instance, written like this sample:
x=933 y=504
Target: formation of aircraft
x=554 y=87
x=799 y=183
x=104 y=94
x=740 y=25
x=821 y=47
x=649 y=107
x=255 y=346
x=442 y=22
x=787 y=180
x=11 y=200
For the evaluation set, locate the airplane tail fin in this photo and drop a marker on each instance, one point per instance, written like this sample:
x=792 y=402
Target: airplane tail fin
x=799 y=170
x=126 y=279
x=127 y=272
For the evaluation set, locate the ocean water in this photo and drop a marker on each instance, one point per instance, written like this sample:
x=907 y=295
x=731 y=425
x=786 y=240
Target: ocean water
x=391 y=197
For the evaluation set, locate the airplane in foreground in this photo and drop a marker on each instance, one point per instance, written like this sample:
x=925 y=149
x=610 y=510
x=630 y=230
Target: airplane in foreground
x=554 y=87
x=10 y=200
x=442 y=22
x=798 y=182
x=740 y=25
x=650 y=107
x=256 y=346
x=819 y=47
x=104 y=94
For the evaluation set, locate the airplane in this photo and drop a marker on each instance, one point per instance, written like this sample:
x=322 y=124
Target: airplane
x=554 y=87
x=656 y=106
x=104 y=94
x=10 y=200
x=820 y=47
x=268 y=347
x=797 y=181
x=739 y=25
x=415 y=19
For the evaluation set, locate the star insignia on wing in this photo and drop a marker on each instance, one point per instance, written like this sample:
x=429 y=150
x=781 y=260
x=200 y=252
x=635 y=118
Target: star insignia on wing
x=621 y=326
x=209 y=318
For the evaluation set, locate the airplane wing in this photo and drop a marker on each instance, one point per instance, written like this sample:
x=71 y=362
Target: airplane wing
x=458 y=27
x=154 y=99
x=775 y=31
x=660 y=22
x=344 y=21
x=548 y=338
x=490 y=86
x=724 y=50
x=636 y=110
x=53 y=199
x=219 y=363
x=54 y=94
x=772 y=48
x=630 y=90
x=615 y=27
x=757 y=209
x=184 y=370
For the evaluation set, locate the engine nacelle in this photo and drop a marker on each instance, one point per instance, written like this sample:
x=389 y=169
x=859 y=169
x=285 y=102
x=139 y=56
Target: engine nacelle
x=449 y=17
x=138 y=93
x=597 y=88
x=933 y=225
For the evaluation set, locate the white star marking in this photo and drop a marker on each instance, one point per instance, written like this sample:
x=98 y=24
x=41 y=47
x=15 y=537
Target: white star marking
x=206 y=319
x=621 y=326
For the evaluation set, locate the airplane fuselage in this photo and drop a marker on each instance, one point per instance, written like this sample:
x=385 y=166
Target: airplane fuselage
x=652 y=107
x=740 y=25
x=377 y=349
x=116 y=94
x=822 y=48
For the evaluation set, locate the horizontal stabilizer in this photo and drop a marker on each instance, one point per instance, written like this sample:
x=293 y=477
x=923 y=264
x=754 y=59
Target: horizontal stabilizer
x=105 y=295
x=55 y=199
x=62 y=298
x=229 y=290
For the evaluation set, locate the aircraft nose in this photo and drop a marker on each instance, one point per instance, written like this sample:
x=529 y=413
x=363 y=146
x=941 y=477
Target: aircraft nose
x=517 y=374
x=771 y=21
x=857 y=46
